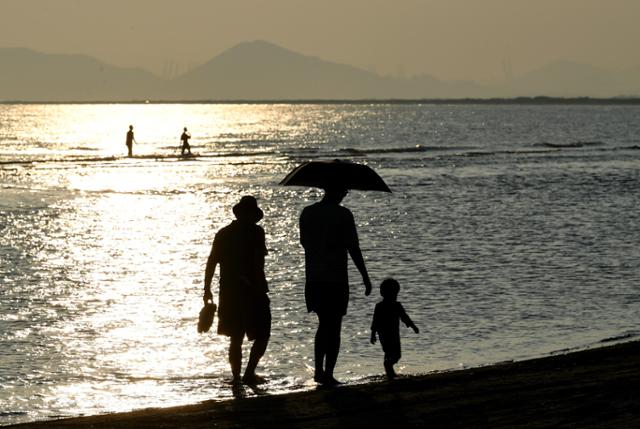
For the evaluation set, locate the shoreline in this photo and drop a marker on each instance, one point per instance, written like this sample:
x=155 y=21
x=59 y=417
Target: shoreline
x=590 y=388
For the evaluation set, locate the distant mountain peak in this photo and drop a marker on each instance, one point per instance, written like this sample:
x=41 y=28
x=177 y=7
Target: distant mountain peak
x=258 y=44
x=258 y=52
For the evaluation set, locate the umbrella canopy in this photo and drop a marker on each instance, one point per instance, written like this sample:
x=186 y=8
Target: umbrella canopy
x=336 y=173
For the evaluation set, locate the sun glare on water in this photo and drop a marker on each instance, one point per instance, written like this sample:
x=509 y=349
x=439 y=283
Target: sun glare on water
x=131 y=238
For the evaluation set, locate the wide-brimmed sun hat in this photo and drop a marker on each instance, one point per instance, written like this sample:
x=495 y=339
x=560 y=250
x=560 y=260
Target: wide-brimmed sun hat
x=248 y=207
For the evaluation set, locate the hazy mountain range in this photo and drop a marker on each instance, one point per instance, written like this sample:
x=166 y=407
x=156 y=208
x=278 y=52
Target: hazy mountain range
x=263 y=71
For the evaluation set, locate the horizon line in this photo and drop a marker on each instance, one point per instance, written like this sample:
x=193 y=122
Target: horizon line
x=538 y=99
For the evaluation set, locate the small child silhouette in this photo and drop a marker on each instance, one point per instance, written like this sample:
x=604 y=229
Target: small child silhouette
x=386 y=323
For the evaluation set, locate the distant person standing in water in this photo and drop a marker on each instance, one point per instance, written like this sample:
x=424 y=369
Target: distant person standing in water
x=328 y=233
x=130 y=140
x=184 y=139
x=243 y=303
x=386 y=323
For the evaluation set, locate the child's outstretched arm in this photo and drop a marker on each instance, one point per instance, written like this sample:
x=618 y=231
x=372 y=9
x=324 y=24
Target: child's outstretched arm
x=407 y=320
x=412 y=325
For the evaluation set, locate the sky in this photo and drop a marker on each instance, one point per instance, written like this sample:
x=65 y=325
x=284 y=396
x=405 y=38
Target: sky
x=448 y=39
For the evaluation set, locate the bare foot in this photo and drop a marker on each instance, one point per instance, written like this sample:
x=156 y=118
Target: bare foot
x=329 y=381
x=253 y=379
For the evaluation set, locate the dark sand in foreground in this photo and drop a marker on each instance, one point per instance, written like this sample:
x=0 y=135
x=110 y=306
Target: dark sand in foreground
x=598 y=388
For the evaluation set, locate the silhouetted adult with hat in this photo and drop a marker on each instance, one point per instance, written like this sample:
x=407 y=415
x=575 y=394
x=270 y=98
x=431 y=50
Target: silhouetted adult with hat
x=328 y=233
x=243 y=303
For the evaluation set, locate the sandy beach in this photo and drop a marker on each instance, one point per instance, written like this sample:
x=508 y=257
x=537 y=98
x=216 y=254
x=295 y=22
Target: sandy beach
x=596 y=388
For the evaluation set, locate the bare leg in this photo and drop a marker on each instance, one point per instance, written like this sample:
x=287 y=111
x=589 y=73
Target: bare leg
x=235 y=356
x=257 y=351
x=391 y=357
x=320 y=350
x=327 y=347
x=388 y=368
x=333 y=346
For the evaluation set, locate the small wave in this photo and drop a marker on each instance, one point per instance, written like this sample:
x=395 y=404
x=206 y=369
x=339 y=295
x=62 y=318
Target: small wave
x=15 y=162
x=152 y=156
x=259 y=141
x=84 y=148
x=175 y=148
x=479 y=153
x=59 y=160
x=417 y=148
x=12 y=413
x=475 y=154
x=624 y=336
x=351 y=151
x=570 y=145
x=409 y=149
x=243 y=153
x=136 y=379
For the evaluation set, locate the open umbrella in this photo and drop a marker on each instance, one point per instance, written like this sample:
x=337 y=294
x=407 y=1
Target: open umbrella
x=336 y=173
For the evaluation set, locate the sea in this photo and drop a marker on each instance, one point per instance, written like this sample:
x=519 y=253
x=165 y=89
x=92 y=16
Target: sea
x=513 y=230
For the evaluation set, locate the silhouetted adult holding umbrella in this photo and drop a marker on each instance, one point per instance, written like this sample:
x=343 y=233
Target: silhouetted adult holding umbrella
x=328 y=234
x=243 y=304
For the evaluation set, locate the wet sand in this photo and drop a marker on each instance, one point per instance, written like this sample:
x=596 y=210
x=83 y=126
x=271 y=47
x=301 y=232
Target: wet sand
x=597 y=388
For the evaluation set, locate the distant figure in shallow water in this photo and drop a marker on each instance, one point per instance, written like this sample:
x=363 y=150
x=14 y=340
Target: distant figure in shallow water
x=386 y=323
x=328 y=234
x=243 y=303
x=184 y=139
x=130 y=140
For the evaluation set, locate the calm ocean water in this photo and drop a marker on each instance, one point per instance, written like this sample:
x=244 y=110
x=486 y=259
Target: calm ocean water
x=513 y=231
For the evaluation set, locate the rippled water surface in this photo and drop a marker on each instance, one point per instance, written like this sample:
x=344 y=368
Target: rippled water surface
x=513 y=231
